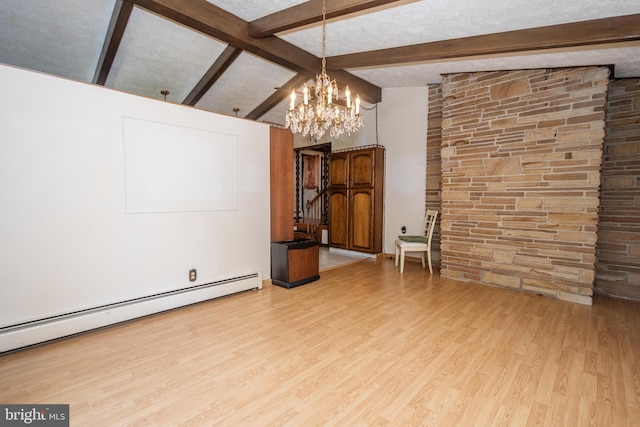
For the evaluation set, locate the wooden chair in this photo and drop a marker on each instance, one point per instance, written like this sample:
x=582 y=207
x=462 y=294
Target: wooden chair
x=418 y=243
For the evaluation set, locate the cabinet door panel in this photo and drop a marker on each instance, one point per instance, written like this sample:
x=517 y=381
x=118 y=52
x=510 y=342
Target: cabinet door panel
x=339 y=170
x=356 y=197
x=361 y=205
x=362 y=168
x=338 y=218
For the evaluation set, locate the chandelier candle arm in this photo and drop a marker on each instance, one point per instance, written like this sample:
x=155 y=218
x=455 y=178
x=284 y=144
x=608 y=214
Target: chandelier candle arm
x=317 y=113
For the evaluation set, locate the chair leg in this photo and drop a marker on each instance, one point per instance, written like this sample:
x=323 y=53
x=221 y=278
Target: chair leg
x=401 y=260
x=397 y=254
x=429 y=257
x=422 y=259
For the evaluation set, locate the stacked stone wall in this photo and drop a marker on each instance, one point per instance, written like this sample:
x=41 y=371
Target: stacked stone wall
x=520 y=164
x=618 y=255
x=434 y=142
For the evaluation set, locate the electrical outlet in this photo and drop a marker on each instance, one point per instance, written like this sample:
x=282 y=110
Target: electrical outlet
x=403 y=229
x=193 y=275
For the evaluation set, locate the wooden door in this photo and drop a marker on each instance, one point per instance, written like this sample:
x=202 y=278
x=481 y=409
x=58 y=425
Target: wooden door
x=339 y=218
x=361 y=219
x=362 y=168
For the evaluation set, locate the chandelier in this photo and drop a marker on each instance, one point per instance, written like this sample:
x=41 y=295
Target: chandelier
x=317 y=113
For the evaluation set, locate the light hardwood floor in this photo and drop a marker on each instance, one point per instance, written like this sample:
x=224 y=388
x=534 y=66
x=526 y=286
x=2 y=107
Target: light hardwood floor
x=364 y=345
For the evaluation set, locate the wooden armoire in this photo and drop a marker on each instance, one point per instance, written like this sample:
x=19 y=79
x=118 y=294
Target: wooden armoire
x=356 y=191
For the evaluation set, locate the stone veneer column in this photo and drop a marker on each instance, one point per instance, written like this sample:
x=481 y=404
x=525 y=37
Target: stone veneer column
x=618 y=266
x=434 y=143
x=521 y=158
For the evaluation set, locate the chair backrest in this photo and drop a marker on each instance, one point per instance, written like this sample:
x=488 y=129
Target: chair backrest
x=430 y=224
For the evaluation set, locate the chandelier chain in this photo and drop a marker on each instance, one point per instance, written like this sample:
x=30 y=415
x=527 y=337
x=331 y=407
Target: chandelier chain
x=324 y=36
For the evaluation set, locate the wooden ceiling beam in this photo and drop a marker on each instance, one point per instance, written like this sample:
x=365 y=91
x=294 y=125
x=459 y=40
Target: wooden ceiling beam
x=208 y=19
x=119 y=19
x=308 y=13
x=224 y=61
x=213 y=21
x=593 y=32
x=279 y=95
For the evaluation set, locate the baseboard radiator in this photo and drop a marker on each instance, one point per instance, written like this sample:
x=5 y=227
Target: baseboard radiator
x=41 y=330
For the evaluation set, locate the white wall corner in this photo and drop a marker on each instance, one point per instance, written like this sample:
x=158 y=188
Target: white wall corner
x=402 y=119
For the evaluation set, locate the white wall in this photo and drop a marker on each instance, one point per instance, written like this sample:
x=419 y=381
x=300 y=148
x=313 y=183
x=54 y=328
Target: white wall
x=66 y=242
x=366 y=135
x=401 y=127
x=402 y=116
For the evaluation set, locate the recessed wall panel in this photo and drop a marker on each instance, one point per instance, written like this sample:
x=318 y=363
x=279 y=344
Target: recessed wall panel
x=172 y=168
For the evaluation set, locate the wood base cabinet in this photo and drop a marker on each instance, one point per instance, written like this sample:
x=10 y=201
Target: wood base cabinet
x=294 y=262
x=356 y=189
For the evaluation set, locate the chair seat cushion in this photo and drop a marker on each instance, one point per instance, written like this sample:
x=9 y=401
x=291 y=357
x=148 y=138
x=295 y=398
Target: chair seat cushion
x=411 y=245
x=416 y=239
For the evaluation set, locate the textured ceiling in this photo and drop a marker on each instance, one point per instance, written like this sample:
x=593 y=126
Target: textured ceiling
x=151 y=61
x=431 y=20
x=67 y=38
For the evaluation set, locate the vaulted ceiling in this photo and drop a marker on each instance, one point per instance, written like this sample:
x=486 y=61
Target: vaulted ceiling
x=243 y=57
